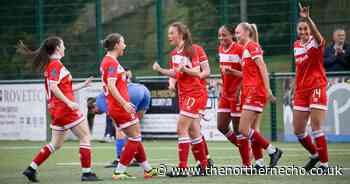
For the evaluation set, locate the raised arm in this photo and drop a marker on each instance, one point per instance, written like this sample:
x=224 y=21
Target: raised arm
x=305 y=13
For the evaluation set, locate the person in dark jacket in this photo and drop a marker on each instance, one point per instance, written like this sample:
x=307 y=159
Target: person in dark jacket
x=337 y=55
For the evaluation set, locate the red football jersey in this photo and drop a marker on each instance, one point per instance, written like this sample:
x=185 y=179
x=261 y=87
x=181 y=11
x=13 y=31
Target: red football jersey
x=252 y=78
x=187 y=84
x=232 y=58
x=110 y=68
x=55 y=72
x=310 y=73
x=203 y=58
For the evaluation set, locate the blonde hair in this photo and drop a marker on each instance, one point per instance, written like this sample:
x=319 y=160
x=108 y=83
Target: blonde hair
x=253 y=30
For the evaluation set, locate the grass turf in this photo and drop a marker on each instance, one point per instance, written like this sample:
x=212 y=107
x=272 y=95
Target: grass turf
x=64 y=167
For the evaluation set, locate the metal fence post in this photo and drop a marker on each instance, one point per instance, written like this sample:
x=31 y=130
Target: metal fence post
x=159 y=31
x=39 y=32
x=39 y=21
x=294 y=19
x=243 y=8
x=273 y=113
x=99 y=31
x=224 y=11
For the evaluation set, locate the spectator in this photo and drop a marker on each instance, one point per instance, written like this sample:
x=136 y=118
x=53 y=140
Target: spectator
x=337 y=55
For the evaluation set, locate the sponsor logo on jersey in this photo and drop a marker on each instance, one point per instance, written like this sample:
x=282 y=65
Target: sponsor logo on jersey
x=183 y=60
x=231 y=58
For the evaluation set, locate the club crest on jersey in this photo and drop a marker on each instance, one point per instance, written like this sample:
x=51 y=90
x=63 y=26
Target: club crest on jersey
x=246 y=54
x=54 y=72
x=111 y=70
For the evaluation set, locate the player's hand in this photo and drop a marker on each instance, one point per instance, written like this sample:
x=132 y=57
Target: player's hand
x=304 y=11
x=272 y=98
x=225 y=69
x=339 y=51
x=180 y=68
x=87 y=82
x=228 y=70
x=129 y=107
x=172 y=87
x=156 y=66
x=73 y=105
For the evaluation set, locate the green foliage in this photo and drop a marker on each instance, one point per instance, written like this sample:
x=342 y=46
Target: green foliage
x=19 y=20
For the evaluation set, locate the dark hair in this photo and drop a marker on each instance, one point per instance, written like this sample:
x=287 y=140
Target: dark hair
x=302 y=19
x=91 y=103
x=230 y=29
x=109 y=42
x=253 y=30
x=90 y=114
x=40 y=57
x=186 y=36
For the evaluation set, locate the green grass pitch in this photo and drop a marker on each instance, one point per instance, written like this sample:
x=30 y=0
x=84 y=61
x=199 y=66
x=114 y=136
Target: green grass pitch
x=63 y=167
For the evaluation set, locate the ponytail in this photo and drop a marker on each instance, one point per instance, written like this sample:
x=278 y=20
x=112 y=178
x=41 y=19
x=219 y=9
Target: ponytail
x=253 y=31
x=109 y=42
x=40 y=57
x=254 y=35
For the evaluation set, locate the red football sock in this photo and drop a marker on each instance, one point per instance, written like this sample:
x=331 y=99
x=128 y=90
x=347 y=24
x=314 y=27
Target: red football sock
x=130 y=149
x=232 y=137
x=183 y=149
x=244 y=149
x=85 y=156
x=43 y=154
x=306 y=141
x=140 y=156
x=198 y=152
x=321 y=145
x=257 y=150
x=206 y=151
x=255 y=136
